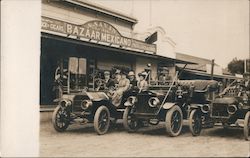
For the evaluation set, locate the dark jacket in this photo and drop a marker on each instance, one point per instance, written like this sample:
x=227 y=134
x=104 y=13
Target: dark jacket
x=133 y=83
x=110 y=83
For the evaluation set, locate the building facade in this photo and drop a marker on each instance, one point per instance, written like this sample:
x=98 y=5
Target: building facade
x=203 y=70
x=80 y=40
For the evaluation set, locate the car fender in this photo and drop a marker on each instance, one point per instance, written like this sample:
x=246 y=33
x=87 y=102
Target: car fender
x=168 y=105
x=127 y=103
x=195 y=106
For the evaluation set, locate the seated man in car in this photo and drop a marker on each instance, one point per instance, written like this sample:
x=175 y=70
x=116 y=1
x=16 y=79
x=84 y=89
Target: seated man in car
x=133 y=89
x=109 y=83
x=132 y=79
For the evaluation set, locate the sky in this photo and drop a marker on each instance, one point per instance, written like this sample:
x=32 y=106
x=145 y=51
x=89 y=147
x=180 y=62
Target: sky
x=212 y=29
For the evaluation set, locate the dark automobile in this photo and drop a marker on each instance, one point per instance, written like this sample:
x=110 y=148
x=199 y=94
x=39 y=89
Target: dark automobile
x=231 y=106
x=200 y=94
x=87 y=107
x=165 y=103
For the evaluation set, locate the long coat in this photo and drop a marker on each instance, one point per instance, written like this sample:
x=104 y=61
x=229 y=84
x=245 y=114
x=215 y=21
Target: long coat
x=122 y=87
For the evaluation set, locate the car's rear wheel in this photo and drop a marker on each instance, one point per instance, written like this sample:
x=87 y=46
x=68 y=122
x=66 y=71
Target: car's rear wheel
x=195 y=122
x=60 y=119
x=102 y=120
x=247 y=126
x=225 y=125
x=130 y=122
x=174 y=119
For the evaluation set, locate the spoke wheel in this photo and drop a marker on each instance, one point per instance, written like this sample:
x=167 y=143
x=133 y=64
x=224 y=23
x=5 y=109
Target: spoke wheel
x=174 y=119
x=60 y=119
x=195 y=122
x=247 y=126
x=102 y=120
x=130 y=122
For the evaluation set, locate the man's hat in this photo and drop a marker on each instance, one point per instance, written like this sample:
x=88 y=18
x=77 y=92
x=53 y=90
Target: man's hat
x=144 y=74
x=131 y=73
x=117 y=71
x=106 y=73
x=124 y=72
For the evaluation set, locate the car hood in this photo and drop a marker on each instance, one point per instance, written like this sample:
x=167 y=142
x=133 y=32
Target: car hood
x=152 y=93
x=97 y=96
x=68 y=96
x=225 y=100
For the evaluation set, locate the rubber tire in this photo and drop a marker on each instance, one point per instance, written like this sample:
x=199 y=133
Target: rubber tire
x=58 y=129
x=190 y=123
x=125 y=120
x=225 y=126
x=168 y=121
x=96 y=118
x=246 y=125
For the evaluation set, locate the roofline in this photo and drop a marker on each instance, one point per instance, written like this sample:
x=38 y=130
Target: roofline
x=203 y=58
x=102 y=9
x=215 y=75
x=177 y=61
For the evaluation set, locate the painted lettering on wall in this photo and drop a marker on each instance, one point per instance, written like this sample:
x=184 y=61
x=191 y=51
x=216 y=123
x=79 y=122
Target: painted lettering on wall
x=95 y=30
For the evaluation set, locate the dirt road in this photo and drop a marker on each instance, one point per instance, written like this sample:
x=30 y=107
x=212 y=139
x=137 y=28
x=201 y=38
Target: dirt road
x=82 y=141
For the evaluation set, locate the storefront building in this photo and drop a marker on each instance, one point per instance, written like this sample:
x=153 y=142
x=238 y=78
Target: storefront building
x=203 y=70
x=80 y=40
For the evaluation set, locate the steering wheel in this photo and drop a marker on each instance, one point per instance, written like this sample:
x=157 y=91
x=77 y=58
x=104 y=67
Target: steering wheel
x=99 y=82
x=110 y=91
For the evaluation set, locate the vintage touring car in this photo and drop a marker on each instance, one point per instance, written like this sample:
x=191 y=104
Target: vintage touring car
x=169 y=103
x=230 y=107
x=88 y=107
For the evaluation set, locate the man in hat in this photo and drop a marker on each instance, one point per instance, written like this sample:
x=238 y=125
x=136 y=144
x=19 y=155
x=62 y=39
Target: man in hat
x=132 y=79
x=122 y=87
x=142 y=84
x=108 y=81
x=133 y=85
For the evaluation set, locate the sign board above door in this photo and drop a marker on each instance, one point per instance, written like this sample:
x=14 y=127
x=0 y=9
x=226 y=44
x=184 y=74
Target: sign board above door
x=95 y=30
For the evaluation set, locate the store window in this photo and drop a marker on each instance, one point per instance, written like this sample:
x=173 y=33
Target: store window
x=77 y=73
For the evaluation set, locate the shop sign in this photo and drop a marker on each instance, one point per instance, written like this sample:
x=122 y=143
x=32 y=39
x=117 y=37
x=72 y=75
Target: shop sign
x=95 y=30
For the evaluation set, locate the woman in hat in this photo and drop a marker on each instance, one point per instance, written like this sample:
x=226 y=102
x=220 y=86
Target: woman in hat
x=142 y=84
x=122 y=87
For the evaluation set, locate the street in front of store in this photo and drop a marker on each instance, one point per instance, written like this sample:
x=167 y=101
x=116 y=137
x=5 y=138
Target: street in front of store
x=82 y=141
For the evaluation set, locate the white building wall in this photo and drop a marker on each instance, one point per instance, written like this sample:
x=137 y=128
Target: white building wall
x=79 y=17
x=165 y=46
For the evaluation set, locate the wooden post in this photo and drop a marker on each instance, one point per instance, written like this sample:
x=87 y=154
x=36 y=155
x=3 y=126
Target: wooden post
x=68 y=81
x=60 y=87
x=245 y=65
x=212 y=69
x=212 y=77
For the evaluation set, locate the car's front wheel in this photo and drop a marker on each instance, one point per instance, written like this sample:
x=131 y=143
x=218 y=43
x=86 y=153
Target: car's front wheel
x=174 y=119
x=60 y=119
x=102 y=120
x=247 y=126
x=195 y=122
x=130 y=123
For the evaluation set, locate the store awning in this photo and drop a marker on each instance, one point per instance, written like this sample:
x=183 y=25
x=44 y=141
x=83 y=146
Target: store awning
x=200 y=73
x=112 y=48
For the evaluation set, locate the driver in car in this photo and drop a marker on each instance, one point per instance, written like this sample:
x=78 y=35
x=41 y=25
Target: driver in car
x=109 y=83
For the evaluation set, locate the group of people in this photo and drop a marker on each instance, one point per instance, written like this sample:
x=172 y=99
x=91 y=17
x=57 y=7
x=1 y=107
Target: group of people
x=124 y=84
